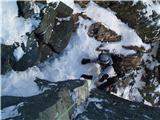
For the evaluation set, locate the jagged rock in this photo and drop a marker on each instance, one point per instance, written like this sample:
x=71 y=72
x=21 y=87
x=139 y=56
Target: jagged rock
x=136 y=48
x=101 y=33
x=25 y=9
x=6 y=58
x=103 y=106
x=45 y=29
x=131 y=62
x=82 y=3
x=31 y=57
x=50 y=38
x=61 y=36
x=63 y=10
x=49 y=105
x=134 y=16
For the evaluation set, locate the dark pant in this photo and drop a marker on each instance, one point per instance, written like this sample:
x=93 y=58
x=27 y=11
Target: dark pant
x=110 y=81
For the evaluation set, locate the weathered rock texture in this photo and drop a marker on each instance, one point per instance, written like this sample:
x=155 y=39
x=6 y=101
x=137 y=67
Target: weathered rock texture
x=101 y=33
x=49 y=39
x=54 y=103
x=134 y=16
x=103 y=106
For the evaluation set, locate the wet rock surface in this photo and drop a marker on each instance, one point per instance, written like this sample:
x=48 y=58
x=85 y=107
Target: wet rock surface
x=101 y=33
x=134 y=16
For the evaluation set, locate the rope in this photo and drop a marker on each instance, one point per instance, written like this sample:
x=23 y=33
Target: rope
x=65 y=112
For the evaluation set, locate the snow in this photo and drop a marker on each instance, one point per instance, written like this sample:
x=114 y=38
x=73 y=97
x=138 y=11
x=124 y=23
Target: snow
x=10 y=111
x=18 y=53
x=129 y=36
x=157 y=89
x=13 y=27
x=66 y=66
x=20 y=83
x=150 y=7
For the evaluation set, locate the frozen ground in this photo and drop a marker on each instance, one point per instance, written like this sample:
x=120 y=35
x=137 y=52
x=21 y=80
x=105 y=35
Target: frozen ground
x=67 y=66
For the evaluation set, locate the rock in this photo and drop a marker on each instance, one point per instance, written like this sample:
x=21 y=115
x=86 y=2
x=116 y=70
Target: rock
x=131 y=62
x=61 y=36
x=49 y=105
x=50 y=38
x=25 y=9
x=63 y=10
x=82 y=3
x=101 y=33
x=134 y=16
x=6 y=58
x=45 y=29
x=136 y=48
x=103 y=106
x=31 y=57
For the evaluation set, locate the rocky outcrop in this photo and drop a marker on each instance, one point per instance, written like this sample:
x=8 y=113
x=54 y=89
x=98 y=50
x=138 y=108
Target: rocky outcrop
x=54 y=103
x=102 y=106
x=49 y=39
x=134 y=16
x=101 y=33
x=25 y=9
x=6 y=58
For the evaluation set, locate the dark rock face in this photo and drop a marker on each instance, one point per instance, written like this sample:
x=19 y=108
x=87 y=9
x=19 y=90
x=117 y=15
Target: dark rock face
x=63 y=10
x=101 y=33
x=25 y=9
x=6 y=58
x=45 y=106
x=102 y=106
x=49 y=39
x=135 y=18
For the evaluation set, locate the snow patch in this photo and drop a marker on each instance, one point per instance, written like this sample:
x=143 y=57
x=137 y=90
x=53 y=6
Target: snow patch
x=11 y=111
x=18 y=53
x=13 y=27
x=129 y=36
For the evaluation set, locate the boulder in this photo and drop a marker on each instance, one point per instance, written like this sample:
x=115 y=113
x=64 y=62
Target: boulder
x=25 y=9
x=134 y=16
x=60 y=38
x=103 y=106
x=63 y=10
x=6 y=58
x=31 y=57
x=101 y=33
x=49 y=38
x=45 y=29
x=53 y=103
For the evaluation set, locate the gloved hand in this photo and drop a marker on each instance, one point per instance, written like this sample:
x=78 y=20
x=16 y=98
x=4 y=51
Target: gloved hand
x=85 y=61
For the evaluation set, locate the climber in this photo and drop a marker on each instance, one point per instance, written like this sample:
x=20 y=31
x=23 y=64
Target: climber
x=107 y=77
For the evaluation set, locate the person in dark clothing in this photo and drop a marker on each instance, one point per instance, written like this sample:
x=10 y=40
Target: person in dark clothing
x=107 y=76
